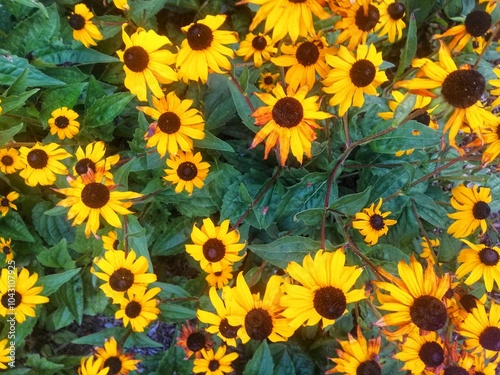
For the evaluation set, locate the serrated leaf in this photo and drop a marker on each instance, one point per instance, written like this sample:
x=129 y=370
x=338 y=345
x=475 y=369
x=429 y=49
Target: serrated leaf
x=311 y=216
x=7 y=135
x=285 y=365
x=172 y=241
x=213 y=143
x=13 y=227
x=104 y=110
x=176 y=313
x=137 y=240
x=19 y=86
x=404 y=109
x=173 y=362
x=41 y=364
x=11 y=67
x=77 y=57
x=34 y=4
x=352 y=203
x=56 y=257
x=428 y=210
x=52 y=283
x=94 y=92
x=261 y=362
x=392 y=181
x=13 y=102
x=60 y=97
x=51 y=223
x=408 y=52
x=71 y=295
x=241 y=104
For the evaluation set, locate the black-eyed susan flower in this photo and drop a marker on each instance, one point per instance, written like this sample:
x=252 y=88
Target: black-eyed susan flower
x=482 y=330
x=193 y=340
x=92 y=159
x=176 y=125
x=267 y=81
x=6 y=202
x=63 y=123
x=357 y=21
x=42 y=163
x=461 y=89
x=111 y=241
x=187 y=171
x=122 y=274
x=304 y=61
x=213 y=246
x=472 y=210
x=92 y=366
x=492 y=140
x=391 y=19
x=4 y=354
x=460 y=305
x=113 y=357
x=496 y=84
x=324 y=290
x=415 y=300
x=219 y=278
x=10 y=161
x=121 y=4
x=259 y=319
x=357 y=356
x=259 y=46
x=289 y=122
x=6 y=248
x=422 y=352
x=480 y=261
x=475 y=25
x=476 y=364
x=291 y=17
x=353 y=76
x=372 y=223
x=139 y=309
x=93 y=198
x=211 y=363
x=84 y=29
x=204 y=48
x=218 y=321
x=25 y=297
x=146 y=65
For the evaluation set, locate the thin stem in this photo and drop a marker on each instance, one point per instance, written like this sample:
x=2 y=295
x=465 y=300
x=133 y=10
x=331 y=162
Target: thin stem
x=125 y=235
x=346 y=130
x=488 y=43
x=422 y=229
x=243 y=93
x=352 y=245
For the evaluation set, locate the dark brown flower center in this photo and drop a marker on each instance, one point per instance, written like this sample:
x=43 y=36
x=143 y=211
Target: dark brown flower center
x=468 y=302
x=121 y=280
x=268 y=80
x=76 y=21
x=4 y=202
x=423 y=118
x=259 y=43
x=362 y=73
x=488 y=256
x=366 y=22
x=18 y=298
x=83 y=166
x=396 y=11
x=368 y=368
x=329 y=302
x=213 y=365
x=297 y=1
x=477 y=22
x=490 y=338
x=6 y=250
x=481 y=210
x=428 y=313
x=95 y=195
x=214 y=250
x=227 y=330
x=258 y=324
x=133 y=309
x=463 y=88
x=37 y=158
x=196 y=341
x=61 y=122
x=455 y=370
x=307 y=53
x=115 y=244
x=7 y=160
x=432 y=354
x=377 y=222
x=169 y=122
x=288 y=112
x=199 y=37
x=114 y=364
x=136 y=59
x=187 y=171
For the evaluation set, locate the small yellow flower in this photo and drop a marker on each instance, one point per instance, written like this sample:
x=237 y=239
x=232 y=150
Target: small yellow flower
x=84 y=29
x=63 y=123
x=372 y=223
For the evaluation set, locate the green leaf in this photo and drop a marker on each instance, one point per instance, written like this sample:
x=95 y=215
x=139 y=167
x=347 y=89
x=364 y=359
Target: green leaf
x=285 y=365
x=77 y=57
x=137 y=240
x=408 y=52
x=13 y=102
x=11 y=67
x=261 y=362
x=170 y=291
x=71 y=296
x=19 y=86
x=386 y=256
x=213 y=143
x=428 y=210
x=141 y=340
x=13 y=227
x=241 y=103
x=173 y=240
x=98 y=338
x=56 y=257
x=311 y=216
x=351 y=204
x=52 y=283
x=391 y=182
x=94 y=92
x=173 y=362
x=285 y=250
x=404 y=109
x=186 y=4
x=106 y=109
x=59 y=319
x=122 y=173
x=34 y=4
x=51 y=227
x=176 y=313
x=7 y=135
x=60 y=97
x=42 y=365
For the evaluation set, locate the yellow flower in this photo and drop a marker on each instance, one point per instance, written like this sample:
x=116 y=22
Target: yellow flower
x=113 y=358
x=42 y=163
x=323 y=290
x=121 y=4
x=111 y=242
x=187 y=171
x=6 y=202
x=391 y=19
x=429 y=253
x=123 y=274
x=214 y=364
x=259 y=46
x=472 y=210
x=139 y=310
x=21 y=297
x=219 y=278
x=267 y=81
x=176 y=125
x=193 y=340
x=289 y=121
x=84 y=29
x=5 y=357
x=204 y=48
x=63 y=123
x=372 y=223
x=10 y=161
x=421 y=352
x=92 y=366
x=92 y=159
x=145 y=64
x=6 y=248
x=353 y=76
